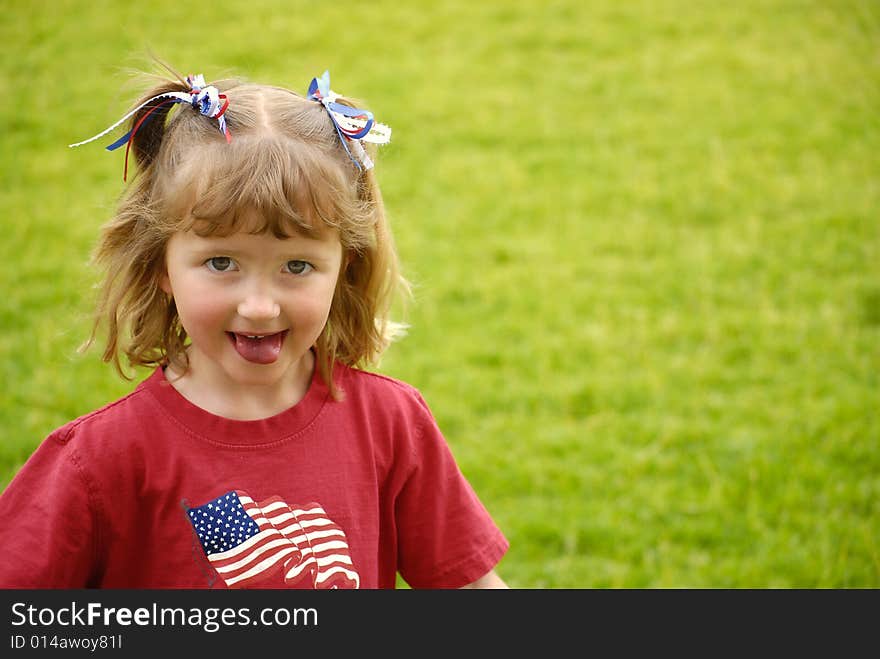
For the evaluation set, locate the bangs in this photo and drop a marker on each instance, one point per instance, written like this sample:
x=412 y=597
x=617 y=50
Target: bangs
x=260 y=184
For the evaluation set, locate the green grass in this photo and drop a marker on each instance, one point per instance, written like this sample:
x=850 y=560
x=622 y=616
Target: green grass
x=644 y=238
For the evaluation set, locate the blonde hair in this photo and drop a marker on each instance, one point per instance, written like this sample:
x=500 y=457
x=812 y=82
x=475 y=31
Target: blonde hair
x=285 y=164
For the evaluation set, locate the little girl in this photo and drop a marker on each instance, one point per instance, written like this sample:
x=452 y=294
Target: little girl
x=251 y=265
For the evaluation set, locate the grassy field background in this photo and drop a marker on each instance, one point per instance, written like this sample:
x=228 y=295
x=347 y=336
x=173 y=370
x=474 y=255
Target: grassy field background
x=643 y=235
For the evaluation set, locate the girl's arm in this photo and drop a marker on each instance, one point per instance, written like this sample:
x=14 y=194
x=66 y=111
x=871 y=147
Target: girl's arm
x=488 y=580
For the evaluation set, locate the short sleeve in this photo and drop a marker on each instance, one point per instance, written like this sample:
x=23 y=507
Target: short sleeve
x=47 y=535
x=446 y=536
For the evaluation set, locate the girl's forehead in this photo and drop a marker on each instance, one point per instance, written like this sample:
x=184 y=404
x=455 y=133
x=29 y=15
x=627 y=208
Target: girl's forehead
x=263 y=242
x=259 y=182
x=254 y=221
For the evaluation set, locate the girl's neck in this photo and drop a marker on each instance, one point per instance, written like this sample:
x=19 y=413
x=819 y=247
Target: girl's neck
x=242 y=403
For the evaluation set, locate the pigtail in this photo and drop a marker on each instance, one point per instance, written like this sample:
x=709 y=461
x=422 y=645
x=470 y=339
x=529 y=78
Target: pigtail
x=130 y=304
x=149 y=122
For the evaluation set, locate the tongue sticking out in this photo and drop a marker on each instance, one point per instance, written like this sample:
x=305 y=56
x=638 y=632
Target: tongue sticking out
x=259 y=351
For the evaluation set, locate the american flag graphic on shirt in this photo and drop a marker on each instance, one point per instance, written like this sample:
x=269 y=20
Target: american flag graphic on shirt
x=244 y=539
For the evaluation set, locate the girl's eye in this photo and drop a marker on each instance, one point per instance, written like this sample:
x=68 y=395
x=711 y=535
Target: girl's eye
x=219 y=263
x=298 y=267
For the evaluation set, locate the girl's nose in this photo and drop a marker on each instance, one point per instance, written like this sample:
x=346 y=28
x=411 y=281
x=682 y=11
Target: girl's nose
x=259 y=305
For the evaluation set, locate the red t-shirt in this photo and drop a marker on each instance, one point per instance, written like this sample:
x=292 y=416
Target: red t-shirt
x=153 y=492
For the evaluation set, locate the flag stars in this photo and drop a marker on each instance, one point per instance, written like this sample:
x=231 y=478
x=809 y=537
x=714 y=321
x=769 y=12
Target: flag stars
x=222 y=523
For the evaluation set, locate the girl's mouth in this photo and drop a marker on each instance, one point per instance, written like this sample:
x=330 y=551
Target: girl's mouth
x=258 y=348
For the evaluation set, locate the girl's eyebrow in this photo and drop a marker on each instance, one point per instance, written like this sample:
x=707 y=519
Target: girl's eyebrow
x=290 y=249
x=299 y=238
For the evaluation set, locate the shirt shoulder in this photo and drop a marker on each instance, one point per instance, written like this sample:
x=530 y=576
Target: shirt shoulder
x=387 y=400
x=376 y=386
x=107 y=418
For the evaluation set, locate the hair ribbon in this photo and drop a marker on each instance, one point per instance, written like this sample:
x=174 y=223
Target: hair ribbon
x=205 y=99
x=353 y=125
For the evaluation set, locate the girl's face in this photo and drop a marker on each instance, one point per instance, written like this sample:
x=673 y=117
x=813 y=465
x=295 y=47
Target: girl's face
x=253 y=305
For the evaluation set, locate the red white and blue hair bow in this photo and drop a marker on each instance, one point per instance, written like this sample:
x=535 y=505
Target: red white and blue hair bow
x=205 y=99
x=353 y=125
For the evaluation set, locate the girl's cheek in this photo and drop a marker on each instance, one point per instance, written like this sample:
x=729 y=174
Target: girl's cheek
x=203 y=305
